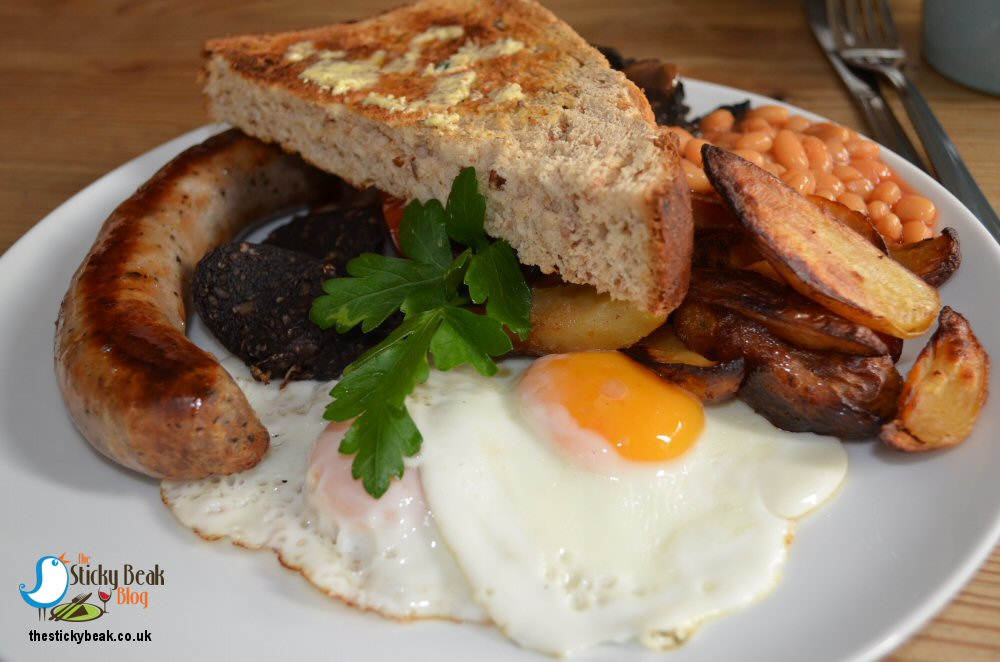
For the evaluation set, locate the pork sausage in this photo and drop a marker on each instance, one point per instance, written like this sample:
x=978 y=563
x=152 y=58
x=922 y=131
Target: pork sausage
x=135 y=386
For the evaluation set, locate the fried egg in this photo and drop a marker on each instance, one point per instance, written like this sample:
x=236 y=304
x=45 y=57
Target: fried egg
x=587 y=501
x=571 y=500
x=300 y=501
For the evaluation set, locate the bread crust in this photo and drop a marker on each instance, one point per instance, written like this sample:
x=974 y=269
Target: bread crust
x=578 y=177
x=672 y=228
x=137 y=389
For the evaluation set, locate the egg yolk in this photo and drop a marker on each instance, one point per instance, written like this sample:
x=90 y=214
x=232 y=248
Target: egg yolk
x=632 y=411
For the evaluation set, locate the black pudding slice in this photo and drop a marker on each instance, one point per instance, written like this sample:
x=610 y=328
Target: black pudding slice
x=335 y=237
x=255 y=299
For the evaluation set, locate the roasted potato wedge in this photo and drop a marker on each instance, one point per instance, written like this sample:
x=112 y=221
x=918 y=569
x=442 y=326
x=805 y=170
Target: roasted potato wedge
x=663 y=346
x=574 y=318
x=818 y=256
x=709 y=212
x=709 y=381
x=856 y=221
x=798 y=390
x=786 y=313
x=701 y=327
x=724 y=247
x=764 y=268
x=715 y=383
x=934 y=259
x=945 y=390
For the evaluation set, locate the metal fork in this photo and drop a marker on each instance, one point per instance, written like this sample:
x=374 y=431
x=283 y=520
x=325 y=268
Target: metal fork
x=867 y=38
x=864 y=88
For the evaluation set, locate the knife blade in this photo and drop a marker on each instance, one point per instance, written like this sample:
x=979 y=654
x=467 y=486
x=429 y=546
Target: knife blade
x=864 y=89
x=65 y=610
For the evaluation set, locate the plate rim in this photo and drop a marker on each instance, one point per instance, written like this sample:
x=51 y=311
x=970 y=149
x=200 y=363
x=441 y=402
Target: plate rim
x=917 y=618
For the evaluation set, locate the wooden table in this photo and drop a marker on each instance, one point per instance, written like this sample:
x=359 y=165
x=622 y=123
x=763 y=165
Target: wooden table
x=86 y=85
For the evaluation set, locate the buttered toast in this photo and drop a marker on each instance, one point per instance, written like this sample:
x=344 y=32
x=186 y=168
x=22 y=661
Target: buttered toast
x=578 y=177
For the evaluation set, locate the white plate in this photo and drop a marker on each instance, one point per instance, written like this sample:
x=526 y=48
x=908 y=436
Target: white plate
x=865 y=573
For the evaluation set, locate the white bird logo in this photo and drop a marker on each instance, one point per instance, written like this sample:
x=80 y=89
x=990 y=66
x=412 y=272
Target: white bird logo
x=51 y=584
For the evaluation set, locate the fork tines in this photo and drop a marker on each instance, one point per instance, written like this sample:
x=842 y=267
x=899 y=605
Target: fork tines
x=863 y=23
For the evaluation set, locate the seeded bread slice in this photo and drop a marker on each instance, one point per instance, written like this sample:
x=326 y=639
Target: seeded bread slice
x=578 y=177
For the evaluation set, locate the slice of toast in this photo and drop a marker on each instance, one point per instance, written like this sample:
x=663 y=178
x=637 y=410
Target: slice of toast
x=578 y=177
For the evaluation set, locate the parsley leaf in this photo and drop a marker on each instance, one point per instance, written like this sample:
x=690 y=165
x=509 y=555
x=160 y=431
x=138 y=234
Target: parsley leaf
x=371 y=390
x=442 y=291
x=430 y=287
x=422 y=234
x=494 y=276
x=378 y=288
x=467 y=211
x=465 y=337
x=380 y=439
x=371 y=377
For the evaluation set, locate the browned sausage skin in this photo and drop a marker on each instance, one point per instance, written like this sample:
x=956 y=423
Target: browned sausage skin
x=135 y=386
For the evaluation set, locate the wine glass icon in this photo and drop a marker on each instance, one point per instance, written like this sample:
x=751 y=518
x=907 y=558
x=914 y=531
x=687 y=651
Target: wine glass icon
x=104 y=596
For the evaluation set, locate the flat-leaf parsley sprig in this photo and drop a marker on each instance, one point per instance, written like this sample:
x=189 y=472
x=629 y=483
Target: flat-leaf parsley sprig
x=432 y=287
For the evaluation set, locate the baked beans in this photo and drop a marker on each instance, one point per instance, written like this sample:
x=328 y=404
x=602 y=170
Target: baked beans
x=821 y=158
x=889 y=226
x=692 y=151
x=758 y=141
x=719 y=121
x=877 y=209
x=888 y=192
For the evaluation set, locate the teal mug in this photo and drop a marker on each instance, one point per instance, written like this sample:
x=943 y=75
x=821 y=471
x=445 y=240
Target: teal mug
x=961 y=39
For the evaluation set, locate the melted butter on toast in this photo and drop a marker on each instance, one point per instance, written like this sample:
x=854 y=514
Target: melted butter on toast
x=437 y=71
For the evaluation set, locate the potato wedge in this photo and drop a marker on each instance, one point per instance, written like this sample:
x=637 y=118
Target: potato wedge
x=894 y=344
x=709 y=381
x=818 y=256
x=574 y=318
x=856 y=221
x=934 y=259
x=798 y=390
x=764 y=268
x=786 y=313
x=663 y=346
x=703 y=328
x=945 y=390
x=724 y=247
x=715 y=383
x=709 y=212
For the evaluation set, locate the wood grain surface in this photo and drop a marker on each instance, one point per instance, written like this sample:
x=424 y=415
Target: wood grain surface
x=86 y=85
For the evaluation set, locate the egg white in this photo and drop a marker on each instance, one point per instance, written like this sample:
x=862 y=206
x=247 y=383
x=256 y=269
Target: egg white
x=396 y=568
x=563 y=558
x=558 y=557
